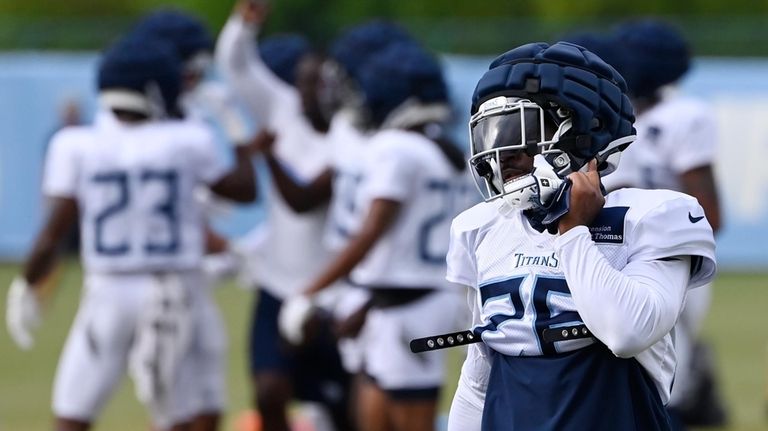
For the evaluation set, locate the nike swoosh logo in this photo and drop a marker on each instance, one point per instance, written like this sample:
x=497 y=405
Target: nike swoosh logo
x=694 y=219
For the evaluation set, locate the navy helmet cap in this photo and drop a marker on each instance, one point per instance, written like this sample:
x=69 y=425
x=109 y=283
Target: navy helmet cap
x=658 y=52
x=139 y=65
x=403 y=71
x=607 y=47
x=187 y=33
x=357 y=43
x=564 y=78
x=282 y=53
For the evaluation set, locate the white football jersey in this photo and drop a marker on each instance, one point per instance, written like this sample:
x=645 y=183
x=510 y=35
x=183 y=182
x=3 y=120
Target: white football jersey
x=409 y=168
x=289 y=249
x=520 y=281
x=673 y=137
x=348 y=149
x=134 y=187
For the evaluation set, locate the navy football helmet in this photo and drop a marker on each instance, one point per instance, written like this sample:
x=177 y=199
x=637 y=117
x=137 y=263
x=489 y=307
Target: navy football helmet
x=281 y=53
x=607 y=47
x=141 y=75
x=561 y=105
x=658 y=55
x=348 y=53
x=403 y=85
x=356 y=44
x=185 y=32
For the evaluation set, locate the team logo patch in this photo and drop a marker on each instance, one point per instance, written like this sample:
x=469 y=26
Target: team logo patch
x=608 y=226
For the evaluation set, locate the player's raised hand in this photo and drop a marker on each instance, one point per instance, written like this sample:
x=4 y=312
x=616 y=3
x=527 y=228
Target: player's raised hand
x=253 y=11
x=22 y=314
x=586 y=198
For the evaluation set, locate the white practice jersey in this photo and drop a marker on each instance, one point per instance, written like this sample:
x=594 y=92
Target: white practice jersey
x=134 y=187
x=349 y=146
x=409 y=168
x=520 y=278
x=673 y=137
x=290 y=249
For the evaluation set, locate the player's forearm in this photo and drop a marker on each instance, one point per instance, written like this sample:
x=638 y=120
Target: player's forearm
x=239 y=184
x=300 y=197
x=61 y=219
x=238 y=60
x=41 y=260
x=627 y=310
x=354 y=253
x=235 y=45
x=380 y=218
x=700 y=183
x=342 y=266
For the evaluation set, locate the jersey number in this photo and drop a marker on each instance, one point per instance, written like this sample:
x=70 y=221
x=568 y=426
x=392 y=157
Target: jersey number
x=166 y=209
x=453 y=199
x=345 y=186
x=543 y=288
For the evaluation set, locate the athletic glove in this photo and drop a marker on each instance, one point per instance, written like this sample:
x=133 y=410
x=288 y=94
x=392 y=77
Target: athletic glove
x=22 y=314
x=294 y=314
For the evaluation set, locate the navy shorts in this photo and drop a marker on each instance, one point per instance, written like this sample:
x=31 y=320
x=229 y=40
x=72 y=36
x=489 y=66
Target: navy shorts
x=315 y=368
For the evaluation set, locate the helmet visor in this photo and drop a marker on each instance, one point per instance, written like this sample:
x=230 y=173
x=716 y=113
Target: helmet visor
x=506 y=133
x=510 y=124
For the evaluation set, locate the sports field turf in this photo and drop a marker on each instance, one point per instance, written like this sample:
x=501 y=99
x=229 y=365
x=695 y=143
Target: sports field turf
x=737 y=327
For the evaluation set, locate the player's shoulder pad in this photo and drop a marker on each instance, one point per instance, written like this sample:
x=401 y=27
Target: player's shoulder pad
x=476 y=217
x=71 y=136
x=396 y=138
x=191 y=129
x=397 y=143
x=662 y=224
x=684 y=110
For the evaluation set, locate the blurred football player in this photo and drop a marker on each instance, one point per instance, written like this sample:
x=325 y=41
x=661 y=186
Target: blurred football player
x=409 y=187
x=577 y=292
x=675 y=149
x=209 y=101
x=202 y=98
x=130 y=179
x=277 y=79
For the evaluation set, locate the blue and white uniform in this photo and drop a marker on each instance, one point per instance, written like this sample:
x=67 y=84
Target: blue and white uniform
x=287 y=250
x=408 y=168
x=134 y=185
x=624 y=278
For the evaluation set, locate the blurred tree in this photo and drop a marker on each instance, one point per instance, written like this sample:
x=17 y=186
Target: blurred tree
x=477 y=26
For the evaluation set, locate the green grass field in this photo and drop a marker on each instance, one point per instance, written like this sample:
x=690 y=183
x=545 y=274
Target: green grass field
x=736 y=327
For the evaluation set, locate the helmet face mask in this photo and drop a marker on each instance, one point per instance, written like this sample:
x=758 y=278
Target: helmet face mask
x=508 y=136
x=337 y=91
x=560 y=104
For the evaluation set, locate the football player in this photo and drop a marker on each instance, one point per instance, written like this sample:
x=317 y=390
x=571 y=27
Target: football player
x=675 y=149
x=208 y=101
x=277 y=79
x=410 y=185
x=576 y=292
x=130 y=179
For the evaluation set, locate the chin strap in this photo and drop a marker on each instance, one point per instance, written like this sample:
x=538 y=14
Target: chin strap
x=547 y=217
x=561 y=203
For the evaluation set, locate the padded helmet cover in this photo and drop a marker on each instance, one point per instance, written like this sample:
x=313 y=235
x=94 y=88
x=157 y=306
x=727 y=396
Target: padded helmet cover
x=567 y=81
